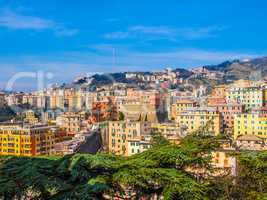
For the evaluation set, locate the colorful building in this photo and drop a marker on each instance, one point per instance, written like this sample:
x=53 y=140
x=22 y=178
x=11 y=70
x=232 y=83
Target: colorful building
x=30 y=117
x=104 y=110
x=171 y=131
x=56 y=98
x=219 y=91
x=254 y=123
x=137 y=145
x=265 y=95
x=194 y=119
x=142 y=112
x=71 y=122
x=227 y=112
x=181 y=105
x=122 y=135
x=19 y=140
x=250 y=142
x=251 y=97
x=14 y=99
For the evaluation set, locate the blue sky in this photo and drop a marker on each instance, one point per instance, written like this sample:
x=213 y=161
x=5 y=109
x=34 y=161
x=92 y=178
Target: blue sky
x=68 y=38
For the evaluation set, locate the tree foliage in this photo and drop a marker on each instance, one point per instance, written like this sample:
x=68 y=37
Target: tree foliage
x=166 y=170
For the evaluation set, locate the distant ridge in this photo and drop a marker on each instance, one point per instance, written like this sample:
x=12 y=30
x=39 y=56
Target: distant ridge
x=252 y=69
x=242 y=69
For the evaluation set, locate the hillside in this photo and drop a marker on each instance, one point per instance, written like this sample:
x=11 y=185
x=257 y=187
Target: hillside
x=6 y=113
x=254 y=69
x=237 y=69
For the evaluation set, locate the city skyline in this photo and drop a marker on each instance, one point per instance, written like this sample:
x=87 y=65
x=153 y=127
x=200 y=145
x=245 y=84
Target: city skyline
x=70 y=39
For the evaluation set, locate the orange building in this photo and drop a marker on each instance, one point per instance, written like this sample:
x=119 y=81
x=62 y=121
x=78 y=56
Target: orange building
x=218 y=95
x=219 y=91
x=213 y=101
x=103 y=110
x=151 y=97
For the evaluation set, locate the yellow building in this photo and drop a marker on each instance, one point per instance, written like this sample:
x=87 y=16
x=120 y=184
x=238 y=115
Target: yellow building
x=181 y=105
x=171 y=131
x=254 y=123
x=223 y=163
x=140 y=112
x=219 y=91
x=19 y=140
x=56 y=98
x=125 y=137
x=242 y=83
x=30 y=117
x=193 y=119
x=265 y=95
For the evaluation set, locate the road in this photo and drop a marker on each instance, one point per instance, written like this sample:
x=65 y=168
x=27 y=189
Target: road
x=92 y=145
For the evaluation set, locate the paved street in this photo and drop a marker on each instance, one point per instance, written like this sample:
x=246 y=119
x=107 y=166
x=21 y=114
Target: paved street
x=92 y=144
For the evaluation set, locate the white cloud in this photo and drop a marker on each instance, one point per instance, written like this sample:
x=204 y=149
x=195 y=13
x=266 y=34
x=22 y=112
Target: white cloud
x=14 y=20
x=165 y=32
x=202 y=32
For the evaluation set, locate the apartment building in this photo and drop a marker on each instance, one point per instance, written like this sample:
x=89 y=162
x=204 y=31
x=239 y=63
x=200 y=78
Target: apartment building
x=104 y=110
x=171 y=131
x=253 y=123
x=265 y=94
x=30 y=99
x=136 y=145
x=228 y=112
x=251 y=97
x=142 y=112
x=223 y=163
x=56 y=96
x=14 y=99
x=30 y=117
x=71 y=122
x=123 y=134
x=193 y=119
x=20 y=140
x=219 y=91
x=180 y=105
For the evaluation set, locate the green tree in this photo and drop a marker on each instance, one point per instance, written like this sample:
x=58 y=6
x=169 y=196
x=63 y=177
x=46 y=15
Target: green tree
x=121 y=116
x=173 y=171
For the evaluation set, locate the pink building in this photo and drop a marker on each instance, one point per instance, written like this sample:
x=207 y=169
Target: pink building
x=228 y=112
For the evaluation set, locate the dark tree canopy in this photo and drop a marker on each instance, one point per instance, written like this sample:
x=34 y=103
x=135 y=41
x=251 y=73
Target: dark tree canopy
x=166 y=170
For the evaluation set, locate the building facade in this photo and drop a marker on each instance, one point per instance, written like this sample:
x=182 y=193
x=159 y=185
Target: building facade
x=250 y=97
x=194 y=119
x=254 y=123
x=19 y=140
x=121 y=133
